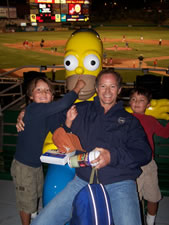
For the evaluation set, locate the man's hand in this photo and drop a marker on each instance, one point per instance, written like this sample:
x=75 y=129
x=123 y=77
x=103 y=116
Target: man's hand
x=20 y=124
x=103 y=159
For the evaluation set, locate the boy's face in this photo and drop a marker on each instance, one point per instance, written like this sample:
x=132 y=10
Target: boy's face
x=41 y=93
x=139 y=103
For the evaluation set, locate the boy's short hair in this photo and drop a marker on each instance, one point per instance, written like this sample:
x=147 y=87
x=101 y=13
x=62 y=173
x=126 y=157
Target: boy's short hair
x=142 y=91
x=111 y=71
x=32 y=84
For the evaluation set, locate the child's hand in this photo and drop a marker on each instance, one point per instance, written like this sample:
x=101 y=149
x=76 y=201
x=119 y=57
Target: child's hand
x=79 y=85
x=71 y=115
x=20 y=124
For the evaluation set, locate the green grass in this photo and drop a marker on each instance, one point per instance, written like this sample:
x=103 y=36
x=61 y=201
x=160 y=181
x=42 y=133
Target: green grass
x=137 y=48
x=160 y=63
x=33 y=36
x=11 y=58
x=150 y=33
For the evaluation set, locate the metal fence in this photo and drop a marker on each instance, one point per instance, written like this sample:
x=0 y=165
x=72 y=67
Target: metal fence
x=11 y=89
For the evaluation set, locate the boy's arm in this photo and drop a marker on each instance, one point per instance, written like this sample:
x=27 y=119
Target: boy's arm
x=79 y=85
x=55 y=107
x=61 y=104
x=160 y=130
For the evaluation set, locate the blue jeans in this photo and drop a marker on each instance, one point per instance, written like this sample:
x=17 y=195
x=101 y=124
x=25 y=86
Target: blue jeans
x=123 y=197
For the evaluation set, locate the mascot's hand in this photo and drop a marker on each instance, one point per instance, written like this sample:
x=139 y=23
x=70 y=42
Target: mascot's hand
x=159 y=109
x=48 y=143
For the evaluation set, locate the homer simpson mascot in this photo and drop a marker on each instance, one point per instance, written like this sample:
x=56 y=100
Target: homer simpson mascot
x=83 y=56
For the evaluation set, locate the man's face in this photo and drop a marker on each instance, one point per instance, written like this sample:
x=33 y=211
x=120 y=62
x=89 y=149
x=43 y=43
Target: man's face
x=108 y=90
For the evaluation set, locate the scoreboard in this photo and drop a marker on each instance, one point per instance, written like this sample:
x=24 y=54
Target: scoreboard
x=59 y=10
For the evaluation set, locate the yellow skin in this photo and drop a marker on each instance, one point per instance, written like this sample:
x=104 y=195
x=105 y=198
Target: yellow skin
x=83 y=57
x=81 y=45
x=48 y=143
x=158 y=108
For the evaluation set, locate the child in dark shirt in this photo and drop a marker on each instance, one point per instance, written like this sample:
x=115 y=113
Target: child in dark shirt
x=148 y=181
x=26 y=168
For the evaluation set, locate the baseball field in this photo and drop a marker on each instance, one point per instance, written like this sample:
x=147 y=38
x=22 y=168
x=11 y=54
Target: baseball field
x=123 y=44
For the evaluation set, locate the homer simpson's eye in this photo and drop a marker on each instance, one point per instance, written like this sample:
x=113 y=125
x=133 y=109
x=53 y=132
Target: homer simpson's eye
x=91 y=62
x=70 y=62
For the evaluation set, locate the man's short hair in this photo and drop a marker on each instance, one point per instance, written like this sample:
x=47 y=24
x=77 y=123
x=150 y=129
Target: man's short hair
x=109 y=71
x=142 y=91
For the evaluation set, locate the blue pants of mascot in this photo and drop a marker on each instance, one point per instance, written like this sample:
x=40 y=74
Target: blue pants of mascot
x=56 y=179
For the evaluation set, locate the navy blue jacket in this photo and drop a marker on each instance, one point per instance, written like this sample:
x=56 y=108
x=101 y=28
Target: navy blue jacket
x=117 y=131
x=39 y=119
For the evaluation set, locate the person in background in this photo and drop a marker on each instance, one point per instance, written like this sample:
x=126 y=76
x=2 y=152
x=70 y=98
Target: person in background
x=110 y=61
x=148 y=187
x=42 y=43
x=104 y=125
x=160 y=42
x=127 y=44
x=140 y=58
x=155 y=63
x=141 y=38
x=124 y=38
x=26 y=168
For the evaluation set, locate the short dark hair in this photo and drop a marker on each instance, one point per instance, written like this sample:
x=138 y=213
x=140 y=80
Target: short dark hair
x=142 y=91
x=32 y=84
x=111 y=71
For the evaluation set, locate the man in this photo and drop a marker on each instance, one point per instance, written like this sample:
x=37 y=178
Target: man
x=105 y=125
x=140 y=58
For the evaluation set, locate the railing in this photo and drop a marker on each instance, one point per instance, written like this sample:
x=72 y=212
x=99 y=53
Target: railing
x=40 y=68
x=14 y=91
x=11 y=93
x=46 y=67
x=12 y=88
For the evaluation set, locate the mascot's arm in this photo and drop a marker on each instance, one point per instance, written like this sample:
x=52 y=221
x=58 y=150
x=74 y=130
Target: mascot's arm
x=159 y=109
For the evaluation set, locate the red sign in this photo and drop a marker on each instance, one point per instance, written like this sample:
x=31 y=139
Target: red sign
x=74 y=9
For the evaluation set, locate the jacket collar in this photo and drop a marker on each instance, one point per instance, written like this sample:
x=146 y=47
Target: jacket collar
x=116 y=107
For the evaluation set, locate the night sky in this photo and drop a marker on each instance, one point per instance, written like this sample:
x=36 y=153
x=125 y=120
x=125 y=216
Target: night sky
x=97 y=7
x=101 y=3
x=130 y=3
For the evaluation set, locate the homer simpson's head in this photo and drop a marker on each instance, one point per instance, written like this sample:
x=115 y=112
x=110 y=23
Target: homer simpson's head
x=83 y=56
